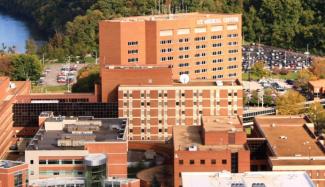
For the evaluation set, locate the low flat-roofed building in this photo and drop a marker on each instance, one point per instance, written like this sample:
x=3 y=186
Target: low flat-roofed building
x=80 y=182
x=292 y=145
x=62 y=144
x=247 y=179
x=317 y=88
x=219 y=144
x=153 y=110
x=13 y=173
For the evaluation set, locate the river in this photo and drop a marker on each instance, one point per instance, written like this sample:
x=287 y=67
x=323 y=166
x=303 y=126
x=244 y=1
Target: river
x=15 y=32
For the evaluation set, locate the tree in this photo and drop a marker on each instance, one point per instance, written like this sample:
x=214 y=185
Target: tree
x=86 y=80
x=290 y=103
x=258 y=70
x=302 y=79
x=26 y=67
x=316 y=113
x=268 y=97
x=5 y=65
x=318 y=68
x=31 y=47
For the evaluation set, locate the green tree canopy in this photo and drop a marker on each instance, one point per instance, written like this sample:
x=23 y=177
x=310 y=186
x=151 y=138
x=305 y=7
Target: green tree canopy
x=26 y=67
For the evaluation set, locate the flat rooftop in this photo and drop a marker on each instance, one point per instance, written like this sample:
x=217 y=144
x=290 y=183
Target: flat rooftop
x=222 y=123
x=289 y=136
x=193 y=83
x=186 y=136
x=318 y=83
x=179 y=16
x=247 y=179
x=109 y=130
x=6 y=164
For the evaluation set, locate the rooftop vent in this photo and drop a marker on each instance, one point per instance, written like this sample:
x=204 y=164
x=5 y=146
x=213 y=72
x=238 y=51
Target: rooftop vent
x=283 y=137
x=192 y=147
x=273 y=125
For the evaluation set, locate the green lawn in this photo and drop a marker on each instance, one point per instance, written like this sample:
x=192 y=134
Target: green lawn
x=49 y=89
x=90 y=60
x=290 y=75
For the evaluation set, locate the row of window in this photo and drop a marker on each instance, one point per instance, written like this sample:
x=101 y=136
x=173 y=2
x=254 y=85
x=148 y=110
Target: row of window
x=169 y=58
x=202 y=162
x=60 y=162
x=195 y=94
x=168 y=50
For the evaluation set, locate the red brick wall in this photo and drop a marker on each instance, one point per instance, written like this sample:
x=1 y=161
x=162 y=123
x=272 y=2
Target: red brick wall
x=116 y=156
x=112 y=78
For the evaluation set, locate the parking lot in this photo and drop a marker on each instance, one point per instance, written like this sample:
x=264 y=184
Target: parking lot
x=52 y=71
x=275 y=57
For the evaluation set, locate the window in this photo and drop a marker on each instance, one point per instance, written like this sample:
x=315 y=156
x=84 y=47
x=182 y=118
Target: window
x=232 y=35
x=78 y=162
x=133 y=51
x=233 y=67
x=192 y=162
x=232 y=59
x=232 y=51
x=165 y=42
x=215 y=37
x=31 y=161
x=142 y=130
x=52 y=162
x=216 y=52
x=217 y=60
x=224 y=161
x=217 y=45
x=199 y=38
x=133 y=60
x=217 y=77
x=66 y=162
x=18 y=178
x=42 y=162
x=213 y=161
x=133 y=43
x=202 y=161
x=181 y=162
x=232 y=43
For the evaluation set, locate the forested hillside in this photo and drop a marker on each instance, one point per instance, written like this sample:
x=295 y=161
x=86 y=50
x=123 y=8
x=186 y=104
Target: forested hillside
x=72 y=25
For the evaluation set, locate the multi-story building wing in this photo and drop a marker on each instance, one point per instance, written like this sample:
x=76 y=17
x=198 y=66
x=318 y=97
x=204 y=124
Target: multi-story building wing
x=8 y=96
x=218 y=144
x=153 y=110
x=204 y=46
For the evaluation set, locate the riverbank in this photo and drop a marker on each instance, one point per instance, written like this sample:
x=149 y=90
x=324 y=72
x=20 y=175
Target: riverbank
x=14 y=32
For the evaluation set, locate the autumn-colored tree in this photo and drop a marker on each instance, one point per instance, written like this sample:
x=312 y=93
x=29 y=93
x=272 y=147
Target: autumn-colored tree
x=290 y=103
x=316 y=113
x=31 y=47
x=5 y=65
x=303 y=77
x=258 y=70
x=87 y=78
x=318 y=68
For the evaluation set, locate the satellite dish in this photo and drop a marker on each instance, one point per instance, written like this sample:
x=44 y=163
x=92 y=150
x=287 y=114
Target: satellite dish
x=184 y=79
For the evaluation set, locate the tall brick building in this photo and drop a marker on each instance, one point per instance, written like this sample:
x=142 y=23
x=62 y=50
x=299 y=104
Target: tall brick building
x=8 y=96
x=204 y=46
